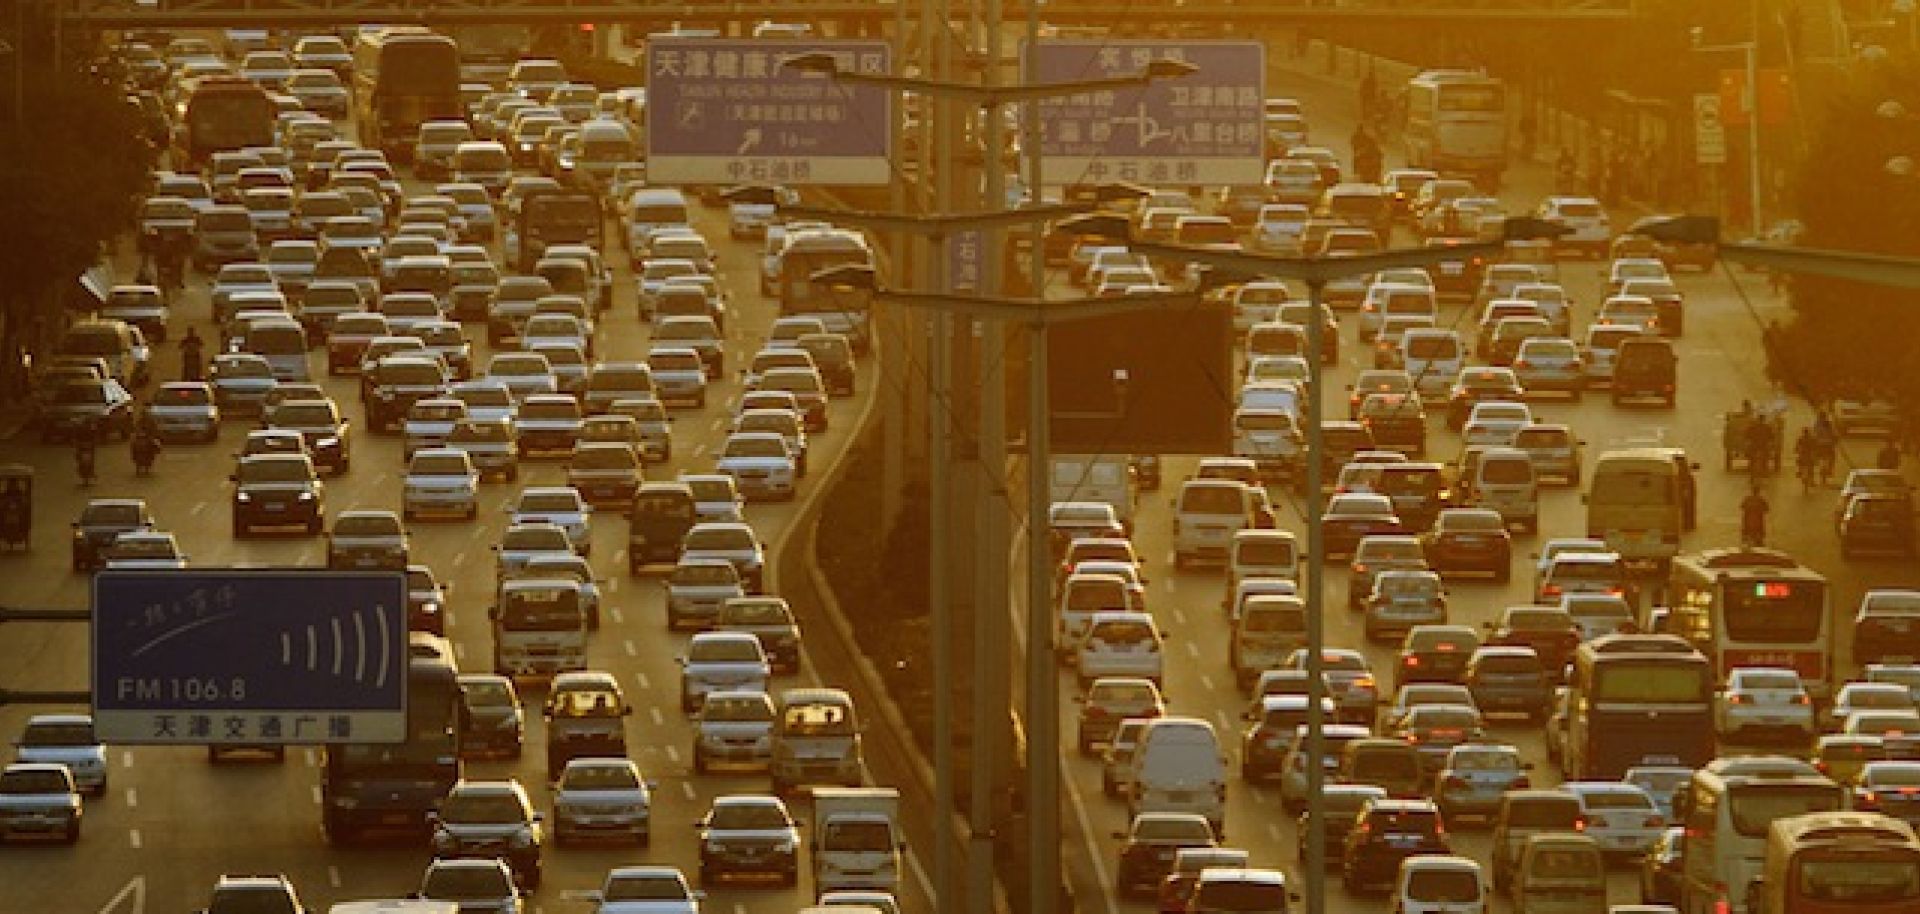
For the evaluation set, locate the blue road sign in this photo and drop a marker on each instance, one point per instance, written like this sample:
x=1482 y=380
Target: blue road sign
x=1204 y=128
x=258 y=657
x=723 y=111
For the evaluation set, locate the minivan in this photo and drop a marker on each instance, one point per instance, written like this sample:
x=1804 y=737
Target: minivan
x=1433 y=357
x=1267 y=628
x=223 y=234
x=1503 y=480
x=1082 y=595
x=1391 y=764
x=1207 y=513
x=1636 y=503
x=1644 y=368
x=1180 y=767
x=283 y=343
x=1440 y=884
x=1524 y=813
x=1560 y=873
x=1262 y=554
x=112 y=340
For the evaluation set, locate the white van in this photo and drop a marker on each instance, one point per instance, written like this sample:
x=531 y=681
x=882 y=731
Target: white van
x=1433 y=357
x=1207 y=514
x=1266 y=630
x=649 y=210
x=1503 y=480
x=283 y=343
x=1255 y=553
x=1440 y=884
x=1180 y=767
x=1636 y=504
x=1106 y=478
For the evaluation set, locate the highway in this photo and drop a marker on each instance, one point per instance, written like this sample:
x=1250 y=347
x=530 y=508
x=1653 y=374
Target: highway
x=1721 y=364
x=176 y=823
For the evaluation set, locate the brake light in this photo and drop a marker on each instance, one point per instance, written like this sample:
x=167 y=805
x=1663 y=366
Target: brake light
x=1869 y=799
x=1522 y=782
x=1801 y=699
x=1359 y=569
x=1551 y=590
x=1364 y=682
x=1096 y=711
x=1411 y=662
x=1521 y=363
x=1735 y=698
x=1580 y=823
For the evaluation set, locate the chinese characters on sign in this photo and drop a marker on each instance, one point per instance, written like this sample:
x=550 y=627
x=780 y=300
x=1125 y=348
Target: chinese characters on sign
x=724 y=111
x=1203 y=128
x=963 y=261
x=247 y=656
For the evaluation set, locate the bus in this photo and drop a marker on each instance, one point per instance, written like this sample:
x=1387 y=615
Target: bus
x=221 y=114
x=1745 y=607
x=1840 y=863
x=394 y=785
x=1457 y=124
x=488 y=51
x=1637 y=700
x=403 y=76
x=843 y=309
x=1726 y=811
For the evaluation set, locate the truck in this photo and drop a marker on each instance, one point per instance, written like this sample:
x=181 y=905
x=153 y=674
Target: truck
x=553 y=217
x=1096 y=477
x=855 y=838
x=539 y=628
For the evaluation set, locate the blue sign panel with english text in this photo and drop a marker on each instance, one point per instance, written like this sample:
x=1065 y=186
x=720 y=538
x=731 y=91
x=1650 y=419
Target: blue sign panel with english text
x=724 y=111
x=254 y=657
x=1202 y=128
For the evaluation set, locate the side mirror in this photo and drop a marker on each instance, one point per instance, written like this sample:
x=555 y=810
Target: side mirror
x=539 y=817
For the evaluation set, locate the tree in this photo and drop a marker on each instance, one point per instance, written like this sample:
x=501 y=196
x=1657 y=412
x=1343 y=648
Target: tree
x=73 y=161
x=1857 y=190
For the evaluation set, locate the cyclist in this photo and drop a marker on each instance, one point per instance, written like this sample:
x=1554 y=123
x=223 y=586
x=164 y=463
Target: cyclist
x=1753 y=518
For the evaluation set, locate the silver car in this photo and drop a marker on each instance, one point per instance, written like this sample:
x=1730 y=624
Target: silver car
x=603 y=797
x=66 y=739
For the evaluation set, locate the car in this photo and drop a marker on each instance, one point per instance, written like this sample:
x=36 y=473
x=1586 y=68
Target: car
x=1508 y=679
x=748 y=834
x=1435 y=728
x=1276 y=725
x=761 y=465
x=1662 y=783
x=770 y=620
x=697 y=588
x=605 y=473
x=1620 y=816
x=1350 y=680
x=721 y=661
x=103 y=404
x=1470 y=539
x=548 y=423
x=39 y=799
x=491 y=819
x=598 y=797
x=101 y=522
x=67 y=740
x=732 y=542
x=1120 y=644
x=440 y=481
x=1109 y=700
x=1874 y=523
x=1590 y=230
x=368 y=539
x=1550 y=631
x=1763 y=701
x=474 y=884
x=647 y=890
x=1402 y=599
x=715 y=498
x=277 y=490
x=560 y=506
x=1385 y=832
x=1350 y=517
x=328 y=434
x=1434 y=653
x=495 y=721
x=1599 y=614
x=144 y=549
x=1473 y=777
x=1477 y=384
x=243 y=894
x=1148 y=846
x=733 y=729
x=1865 y=696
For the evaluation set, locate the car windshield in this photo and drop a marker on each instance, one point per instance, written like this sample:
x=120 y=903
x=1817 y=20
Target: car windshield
x=755 y=446
x=605 y=458
x=476 y=808
x=724 y=650
x=703 y=573
x=303 y=414
x=1457 y=886
x=747 y=816
x=549 y=503
x=756 y=612
x=1484 y=761
x=718 y=539
x=600 y=777
x=31 y=781
x=367 y=525
x=453 y=882
x=739 y=709
x=58 y=733
x=253 y=471
x=439 y=465
x=645 y=888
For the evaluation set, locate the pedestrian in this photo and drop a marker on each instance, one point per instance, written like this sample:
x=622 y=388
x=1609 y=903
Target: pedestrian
x=192 y=356
x=1753 y=517
x=1806 y=455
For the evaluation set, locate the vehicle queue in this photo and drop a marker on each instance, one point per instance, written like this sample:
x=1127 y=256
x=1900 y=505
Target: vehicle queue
x=1642 y=660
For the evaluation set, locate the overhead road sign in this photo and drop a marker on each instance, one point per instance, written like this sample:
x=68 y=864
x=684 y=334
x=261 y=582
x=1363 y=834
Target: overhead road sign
x=1205 y=128
x=723 y=111
x=253 y=657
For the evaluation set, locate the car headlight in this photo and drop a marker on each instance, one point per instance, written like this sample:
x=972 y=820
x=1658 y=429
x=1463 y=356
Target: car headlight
x=327 y=442
x=306 y=496
x=241 y=497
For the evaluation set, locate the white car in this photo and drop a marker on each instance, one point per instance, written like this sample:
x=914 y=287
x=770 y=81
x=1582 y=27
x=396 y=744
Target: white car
x=66 y=739
x=1474 y=776
x=440 y=481
x=487 y=400
x=715 y=498
x=144 y=550
x=721 y=661
x=1629 y=311
x=1279 y=228
x=1591 y=230
x=1495 y=423
x=647 y=890
x=761 y=464
x=733 y=728
x=679 y=376
x=475 y=884
x=733 y=542
x=1550 y=363
x=1441 y=884
x=1121 y=643
x=786 y=423
x=185 y=410
x=523 y=373
x=430 y=422
x=39 y=799
x=561 y=506
x=602 y=797
x=320 y=91
x=1763 y=699
x=1866 y=696
x=1620 y=816
x=1661 y=782
x=1598 y=614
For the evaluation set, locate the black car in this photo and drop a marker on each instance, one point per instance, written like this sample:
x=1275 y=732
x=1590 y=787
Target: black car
x=1470 y=539
x=1434 y=653
x=1342 y=803
x=1398 y=423
x=1660 y=873
x=102 y=404
x=1886 y=625
x=100 y=522
x=1385 y=832
x=1878 y=522
x=1508 y=679
x=395 y=383
x=1351 y=517
x=1479 y=385
x=1645 y=368
x=1146 y=856
x=1550 y=631
x=495 y=723
x=833 y=356
x=277 y=490
x=320 y=423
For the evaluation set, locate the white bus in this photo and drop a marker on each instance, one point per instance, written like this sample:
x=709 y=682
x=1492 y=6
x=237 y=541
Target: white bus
x=1457 y=124
x=1727 y=810
x=1753 y=608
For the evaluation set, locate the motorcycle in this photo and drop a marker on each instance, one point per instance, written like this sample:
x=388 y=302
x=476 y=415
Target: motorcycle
x=145 y=447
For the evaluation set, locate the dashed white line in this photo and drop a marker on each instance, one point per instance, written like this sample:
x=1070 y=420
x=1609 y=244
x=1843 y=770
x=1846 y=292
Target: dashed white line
x=333 y=876
x=613 y=612
x=1193 y=650
x=673 y=753
x=126 y=759
x=459 y=652
x=197 y=508
x=1206 y=682
x=686 y=787
x=459 y=558
x=133 y=837
x=312 y=757
x=627 y=646
x=1273 y=831
x=613 y=584
x=658 y=718
x=316 y=794
x=1179 y=618
x=700 y=450
x=1226 y=723
x=133 y=799
x=645 y=683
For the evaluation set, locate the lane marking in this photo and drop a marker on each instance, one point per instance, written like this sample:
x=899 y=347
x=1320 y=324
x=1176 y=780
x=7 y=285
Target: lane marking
x=459 y=652
x=1087 y=835
x=126 y=759
x=686 y=787
x=1206 y=682
x=673 y=753
x=1273 y=831
x=1193 y=650
x=197 y=508
x=613 y=612
x=316 y=794
x=700 y=450
x=630 y=649
x=133 y=799
x=136 y=888
x=1179 y=618
x=659 y=719
x=133 y=837
x=312 y=757
x=645 y=683
x=333 y=875
x=459 y=558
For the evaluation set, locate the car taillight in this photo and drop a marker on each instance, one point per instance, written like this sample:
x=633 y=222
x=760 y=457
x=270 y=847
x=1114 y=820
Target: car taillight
x=1801 y=699
x=1653 y=822
x=1456 y=781
x=1738 y=699
x=1869 y=799
x=1411 y=662
x=1580 y=823
x=1551 y=590
x=1522 y=783
x=1522 y=363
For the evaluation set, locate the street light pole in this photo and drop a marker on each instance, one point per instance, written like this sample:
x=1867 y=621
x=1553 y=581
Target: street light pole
x=1316 y=836
x=1751 y=52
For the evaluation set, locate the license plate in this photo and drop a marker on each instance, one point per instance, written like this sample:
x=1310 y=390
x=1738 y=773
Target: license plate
x=1403 y=840
x=1899 y=625
x=274 y=507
